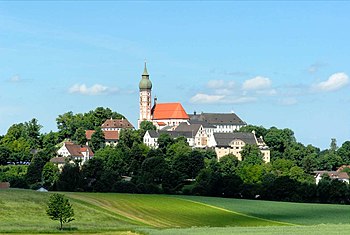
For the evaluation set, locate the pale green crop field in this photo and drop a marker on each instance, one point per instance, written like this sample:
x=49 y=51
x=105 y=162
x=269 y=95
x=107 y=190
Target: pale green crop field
x=295 y=213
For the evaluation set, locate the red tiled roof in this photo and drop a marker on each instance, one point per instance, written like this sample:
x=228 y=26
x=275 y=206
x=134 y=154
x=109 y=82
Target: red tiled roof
x=109 y=135
x=89 y=133
x=117 y=123
x=75 y=150
x=168 y=111
x=161 y=123
x=58 y=159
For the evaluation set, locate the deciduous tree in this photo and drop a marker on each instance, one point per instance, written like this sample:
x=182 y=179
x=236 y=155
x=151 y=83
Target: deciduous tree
x=59 y=208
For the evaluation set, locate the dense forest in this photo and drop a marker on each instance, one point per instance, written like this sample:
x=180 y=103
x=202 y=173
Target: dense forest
x=173 y=168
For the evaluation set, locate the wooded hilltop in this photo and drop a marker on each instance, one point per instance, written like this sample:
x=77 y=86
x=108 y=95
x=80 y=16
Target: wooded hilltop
x=174 y=167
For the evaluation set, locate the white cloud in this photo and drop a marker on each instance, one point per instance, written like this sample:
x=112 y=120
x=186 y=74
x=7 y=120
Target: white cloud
x=269 y=92
x=215 y=84
x=288 y=101
x=15 y=78
x=239 y=100
x=218 y=84
x=96 y=89
x=201 y=98
x=334 y=82
x=316 y=67
x=257 y=83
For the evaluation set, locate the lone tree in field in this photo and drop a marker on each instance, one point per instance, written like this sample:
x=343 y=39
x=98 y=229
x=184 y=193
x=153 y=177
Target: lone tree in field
x=59 y=208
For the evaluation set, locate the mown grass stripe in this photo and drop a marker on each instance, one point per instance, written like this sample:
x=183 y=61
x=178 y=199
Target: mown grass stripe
x=238 y=213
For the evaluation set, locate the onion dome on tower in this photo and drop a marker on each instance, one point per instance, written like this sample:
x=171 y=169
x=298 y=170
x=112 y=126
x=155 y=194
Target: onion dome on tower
x=145 y=83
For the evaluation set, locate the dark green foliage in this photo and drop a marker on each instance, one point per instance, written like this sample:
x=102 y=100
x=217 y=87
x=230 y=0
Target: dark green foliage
x=344 y=152
x=153 y=170
x=129 y=137
x=79 y=136
x=97 y=139
x=49 y=175
x=231 y=185
x=68 y=123
x=164 y=141
x=189 y=164
x=15 y=175
x=251 y=155
x=259 y=130
x=34 y=173
x=228 y=164
x=59 y=208
x=70 y=178
x=125 y=187
x=208 y=183
x=146 y=126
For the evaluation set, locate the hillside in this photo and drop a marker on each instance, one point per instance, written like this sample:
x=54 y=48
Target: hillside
x=23 y=211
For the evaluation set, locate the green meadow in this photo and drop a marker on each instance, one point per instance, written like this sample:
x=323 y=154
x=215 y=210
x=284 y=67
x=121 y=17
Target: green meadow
x=23 y=212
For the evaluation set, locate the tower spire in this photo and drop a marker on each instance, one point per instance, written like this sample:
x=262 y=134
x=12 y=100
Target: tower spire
x=145 y=73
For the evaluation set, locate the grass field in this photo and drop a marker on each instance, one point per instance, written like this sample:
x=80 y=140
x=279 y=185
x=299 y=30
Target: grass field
x=23 y=212
x=295 y=213
x=168 y=212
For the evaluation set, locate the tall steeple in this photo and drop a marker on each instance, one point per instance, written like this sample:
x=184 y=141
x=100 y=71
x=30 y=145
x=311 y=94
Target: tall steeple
x=145 y=83
x=145 y=87
x=145 y=73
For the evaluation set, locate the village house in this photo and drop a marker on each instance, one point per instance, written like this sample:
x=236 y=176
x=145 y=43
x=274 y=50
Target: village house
x=222 y=122
x=70 y=152
x=116 y=124
x=111 y=130
x=151 y=137
x=226 y=143
x=334 y=175
x=339 y=174
x=197 y=131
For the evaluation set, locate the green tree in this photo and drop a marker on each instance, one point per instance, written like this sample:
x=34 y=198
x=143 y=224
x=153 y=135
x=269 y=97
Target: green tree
x=70 y=178
x=35 y=168
x=164 y=141
x=97 y=139
x=189 y=164
x=59 y=208
x=333 y=146
x=251 y=154
x=33 y=133
x=146 y=126
x=49 y=175
x=228 y=164
x=259 y=130
x=344 y=152
x=79 y=136
x=128 y=137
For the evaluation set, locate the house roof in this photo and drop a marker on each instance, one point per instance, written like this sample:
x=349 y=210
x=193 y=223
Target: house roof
x=334 y=174
x=341 y=168
x=218 y=118
x=75 y=150
x=224 y=139
x=203 y=123
x=58 y=159
x=109 y=135
x=161 y=111
x=184 y=127
x=117 y=123
x=173 y=134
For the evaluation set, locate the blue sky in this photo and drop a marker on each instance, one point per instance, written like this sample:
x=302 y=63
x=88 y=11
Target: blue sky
x=283 y=64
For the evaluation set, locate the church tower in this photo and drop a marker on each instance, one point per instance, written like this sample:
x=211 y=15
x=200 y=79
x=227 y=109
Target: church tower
x=145 y=86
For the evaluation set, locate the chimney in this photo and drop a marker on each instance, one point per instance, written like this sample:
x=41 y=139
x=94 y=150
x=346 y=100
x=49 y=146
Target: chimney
x=155 y=100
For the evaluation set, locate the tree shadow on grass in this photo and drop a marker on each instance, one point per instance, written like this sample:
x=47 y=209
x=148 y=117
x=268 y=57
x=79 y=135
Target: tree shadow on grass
x=68 y=229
